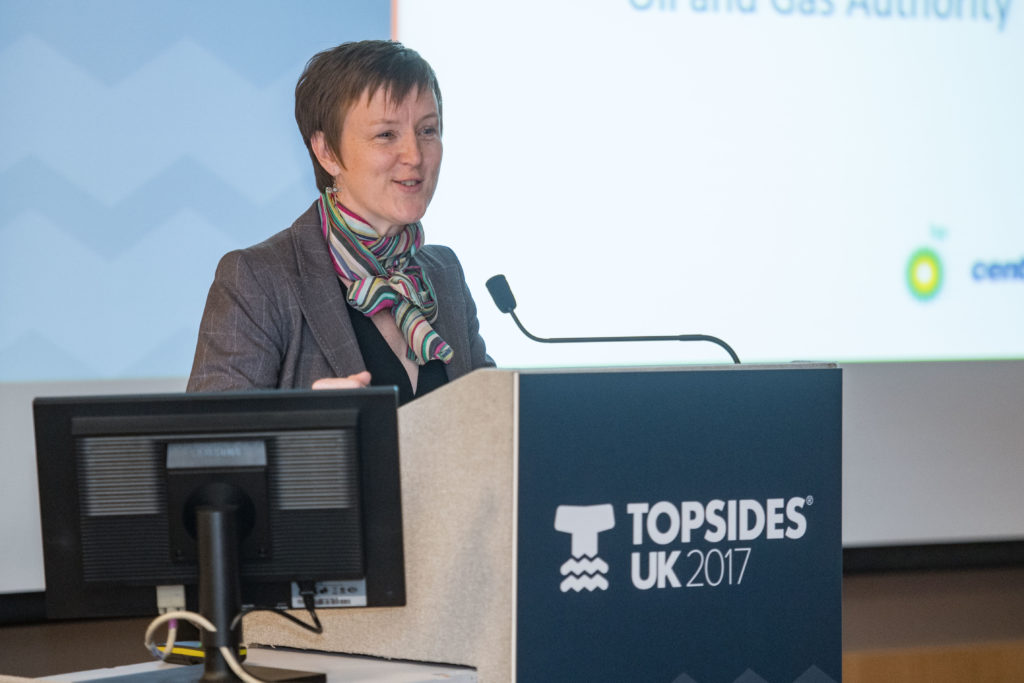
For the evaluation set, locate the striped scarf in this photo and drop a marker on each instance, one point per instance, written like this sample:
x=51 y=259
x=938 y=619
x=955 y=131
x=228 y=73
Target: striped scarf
x=383 y=276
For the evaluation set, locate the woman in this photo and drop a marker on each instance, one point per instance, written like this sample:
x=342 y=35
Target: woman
x=348 y=295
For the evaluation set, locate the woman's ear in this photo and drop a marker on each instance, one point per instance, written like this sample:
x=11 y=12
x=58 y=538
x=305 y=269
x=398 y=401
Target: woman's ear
x=324 y=154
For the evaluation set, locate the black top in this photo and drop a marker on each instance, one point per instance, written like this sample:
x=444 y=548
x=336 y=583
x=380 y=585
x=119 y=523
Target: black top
x=384 y=367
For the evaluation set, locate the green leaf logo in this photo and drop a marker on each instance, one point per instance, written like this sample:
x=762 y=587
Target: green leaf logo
x=924 y=274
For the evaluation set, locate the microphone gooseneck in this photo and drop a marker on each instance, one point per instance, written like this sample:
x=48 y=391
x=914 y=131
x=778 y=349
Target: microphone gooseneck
x=506 y=303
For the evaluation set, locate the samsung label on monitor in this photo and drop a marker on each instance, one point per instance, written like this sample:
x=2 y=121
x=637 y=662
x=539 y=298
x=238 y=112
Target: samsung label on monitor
x=199 y=454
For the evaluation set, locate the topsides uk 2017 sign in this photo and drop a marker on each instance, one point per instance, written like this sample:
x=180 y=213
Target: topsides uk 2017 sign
x=677 y=528
x=680 y=526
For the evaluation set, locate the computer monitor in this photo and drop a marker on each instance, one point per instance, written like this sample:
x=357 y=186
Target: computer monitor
x=302 y=488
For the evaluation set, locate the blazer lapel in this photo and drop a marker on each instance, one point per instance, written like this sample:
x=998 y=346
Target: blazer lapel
x=451 y=320
x=320 y=297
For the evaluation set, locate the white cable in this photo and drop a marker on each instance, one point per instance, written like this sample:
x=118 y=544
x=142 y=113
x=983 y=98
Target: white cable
x=203 y=623
x=191 y=617
x=172 y=637
x=229 y=657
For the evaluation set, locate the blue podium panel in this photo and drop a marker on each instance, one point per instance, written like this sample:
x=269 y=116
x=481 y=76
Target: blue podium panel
x=680 y=526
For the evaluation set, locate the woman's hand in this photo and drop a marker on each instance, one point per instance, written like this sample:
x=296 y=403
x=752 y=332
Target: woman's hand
x=356 y=381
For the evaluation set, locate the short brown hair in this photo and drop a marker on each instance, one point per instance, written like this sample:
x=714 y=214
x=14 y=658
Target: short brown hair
x=334 y=80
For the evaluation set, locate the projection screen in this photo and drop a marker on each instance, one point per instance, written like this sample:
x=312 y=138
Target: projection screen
x=807 y=179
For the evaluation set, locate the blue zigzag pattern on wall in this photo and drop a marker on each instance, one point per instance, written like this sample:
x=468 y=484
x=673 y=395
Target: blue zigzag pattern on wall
x=34 y=357
x=139 y=141
x=110 y=38
x=105 y=316
x=31 y=185
x=183 y=103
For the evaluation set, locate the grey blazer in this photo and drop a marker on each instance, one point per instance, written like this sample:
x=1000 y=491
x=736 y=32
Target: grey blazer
x=275 y=316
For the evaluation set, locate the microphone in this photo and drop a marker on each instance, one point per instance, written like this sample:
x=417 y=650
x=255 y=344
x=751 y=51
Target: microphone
x=506 y=303
x=502 y=295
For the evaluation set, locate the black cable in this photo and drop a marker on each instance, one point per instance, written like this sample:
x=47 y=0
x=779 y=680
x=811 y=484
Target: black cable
x=307 y=592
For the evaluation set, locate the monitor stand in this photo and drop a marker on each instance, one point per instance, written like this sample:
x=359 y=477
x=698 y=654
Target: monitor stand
x=220 y=601
x=220 y=598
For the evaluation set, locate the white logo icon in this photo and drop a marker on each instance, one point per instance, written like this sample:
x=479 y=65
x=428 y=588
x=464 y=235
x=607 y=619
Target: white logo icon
x=584 y=570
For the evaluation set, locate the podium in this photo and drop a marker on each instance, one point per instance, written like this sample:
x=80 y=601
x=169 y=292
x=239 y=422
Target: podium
x=643 y=524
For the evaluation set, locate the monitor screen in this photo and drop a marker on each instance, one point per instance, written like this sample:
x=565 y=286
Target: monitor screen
x=311 y=480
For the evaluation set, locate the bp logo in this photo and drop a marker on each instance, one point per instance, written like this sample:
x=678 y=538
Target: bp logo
x=924 y=274
x=584 y=570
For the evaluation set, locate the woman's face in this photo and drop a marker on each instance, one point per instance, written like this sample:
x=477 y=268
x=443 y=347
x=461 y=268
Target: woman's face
x=392 y=155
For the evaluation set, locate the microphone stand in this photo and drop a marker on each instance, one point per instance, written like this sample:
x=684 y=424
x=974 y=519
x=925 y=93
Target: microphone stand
x=506 y=303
